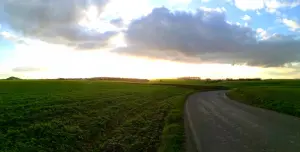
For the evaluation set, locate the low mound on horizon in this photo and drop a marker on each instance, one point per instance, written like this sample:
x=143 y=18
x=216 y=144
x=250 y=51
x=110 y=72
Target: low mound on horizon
x=13 y=78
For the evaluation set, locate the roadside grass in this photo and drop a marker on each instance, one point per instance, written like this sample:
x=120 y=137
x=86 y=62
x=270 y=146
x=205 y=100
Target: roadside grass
x=173 y=136
x=278 y=95
x=281 y=99
x=52 y=115
x=229 y=84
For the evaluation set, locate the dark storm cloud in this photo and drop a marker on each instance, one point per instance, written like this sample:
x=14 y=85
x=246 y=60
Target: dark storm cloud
x=54 y=21
x=205 y=36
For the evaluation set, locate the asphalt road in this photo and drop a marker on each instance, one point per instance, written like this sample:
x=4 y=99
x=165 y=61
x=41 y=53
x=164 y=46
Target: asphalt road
x=215 y=123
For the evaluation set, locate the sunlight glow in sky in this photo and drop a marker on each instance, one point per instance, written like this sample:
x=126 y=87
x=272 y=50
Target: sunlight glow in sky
x=150 y=38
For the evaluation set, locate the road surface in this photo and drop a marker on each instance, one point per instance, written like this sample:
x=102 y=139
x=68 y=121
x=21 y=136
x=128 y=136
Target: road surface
x=215 y=123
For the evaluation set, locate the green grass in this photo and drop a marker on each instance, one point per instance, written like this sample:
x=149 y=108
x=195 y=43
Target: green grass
x=278 y=95
x=173 y=139
x=90 y=116
x=229 y=84
x=62 y=115
x=281 y=99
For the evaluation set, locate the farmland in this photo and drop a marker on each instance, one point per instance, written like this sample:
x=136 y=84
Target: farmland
x=52 y=115
x=92 y=115
x=277 y=95
x=282 y=99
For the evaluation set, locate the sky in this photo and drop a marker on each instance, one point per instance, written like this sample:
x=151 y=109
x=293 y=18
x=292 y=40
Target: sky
x=150 y=38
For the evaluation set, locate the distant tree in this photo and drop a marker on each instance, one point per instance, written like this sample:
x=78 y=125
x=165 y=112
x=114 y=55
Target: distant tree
x=118 y=79
x=249 y=79
x=13 y=78
x=189 y=78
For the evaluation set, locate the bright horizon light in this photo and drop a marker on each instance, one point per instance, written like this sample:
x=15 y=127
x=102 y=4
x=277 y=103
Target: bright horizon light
x=77 y=64
x=56 y=61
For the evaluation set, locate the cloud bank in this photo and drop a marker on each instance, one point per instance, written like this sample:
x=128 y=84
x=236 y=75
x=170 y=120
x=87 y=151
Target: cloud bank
x=205 y=36
x=202 y=36
x=54 y=21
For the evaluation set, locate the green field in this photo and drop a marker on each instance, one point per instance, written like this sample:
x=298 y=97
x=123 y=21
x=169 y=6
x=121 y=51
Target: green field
x=86 y=115
x=90 y=116
x=278 y=95
x=282 y=99
x=230 y=84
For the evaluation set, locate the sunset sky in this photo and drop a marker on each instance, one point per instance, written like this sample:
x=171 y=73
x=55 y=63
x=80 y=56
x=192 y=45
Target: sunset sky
x=150 y=38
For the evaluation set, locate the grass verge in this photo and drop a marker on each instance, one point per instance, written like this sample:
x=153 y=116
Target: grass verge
x=173 y=136
x=280 y=99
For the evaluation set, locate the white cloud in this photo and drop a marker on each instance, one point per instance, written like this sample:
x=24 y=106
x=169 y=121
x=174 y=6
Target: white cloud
x=270 y=5
x=293 y=25
x=274 y=4
x=262 y=34
x=27 y=69
x=249 y=5
x=246 y=18
x=174 y=4
x=218 y=9
x=7 y=35
x=127 y=10
x=258 y=13
x=259 y=30
x=179 y=1
x=271 y=10
x=12 y=37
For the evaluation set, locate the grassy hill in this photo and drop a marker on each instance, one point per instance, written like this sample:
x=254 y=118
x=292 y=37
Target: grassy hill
x=13 y=78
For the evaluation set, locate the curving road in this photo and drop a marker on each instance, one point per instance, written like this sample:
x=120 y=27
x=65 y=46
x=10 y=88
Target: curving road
x=215 y=123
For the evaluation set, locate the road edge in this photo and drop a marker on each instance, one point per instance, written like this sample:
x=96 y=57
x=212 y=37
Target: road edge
x=190 y=130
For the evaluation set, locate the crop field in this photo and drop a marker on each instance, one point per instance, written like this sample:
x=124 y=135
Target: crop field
x=64 y=115
x=88 y=115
